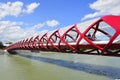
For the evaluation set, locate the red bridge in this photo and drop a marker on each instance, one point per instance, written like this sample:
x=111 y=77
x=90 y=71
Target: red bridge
x=99 y=36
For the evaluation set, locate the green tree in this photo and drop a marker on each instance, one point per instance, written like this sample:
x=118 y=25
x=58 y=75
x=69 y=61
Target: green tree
x=1 y=45
x=9 y=43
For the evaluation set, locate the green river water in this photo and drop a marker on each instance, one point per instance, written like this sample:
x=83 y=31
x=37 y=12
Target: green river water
x=15 y=67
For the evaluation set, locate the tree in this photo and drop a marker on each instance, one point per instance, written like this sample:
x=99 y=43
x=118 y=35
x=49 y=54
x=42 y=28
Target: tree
x=9 y=43
x=1 y=45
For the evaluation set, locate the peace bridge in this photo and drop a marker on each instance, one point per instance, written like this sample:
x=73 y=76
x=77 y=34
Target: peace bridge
x=99 y=36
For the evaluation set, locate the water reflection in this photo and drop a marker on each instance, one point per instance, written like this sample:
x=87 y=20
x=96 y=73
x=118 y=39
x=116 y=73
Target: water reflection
x=108 y=71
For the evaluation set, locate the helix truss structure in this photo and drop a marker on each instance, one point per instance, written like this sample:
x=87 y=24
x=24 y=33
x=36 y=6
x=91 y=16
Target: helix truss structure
x=99 y=36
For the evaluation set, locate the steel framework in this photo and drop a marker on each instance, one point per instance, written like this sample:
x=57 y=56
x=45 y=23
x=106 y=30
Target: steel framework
x=101 y=37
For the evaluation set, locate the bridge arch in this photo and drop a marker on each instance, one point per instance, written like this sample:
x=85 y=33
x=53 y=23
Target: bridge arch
x=53 y=40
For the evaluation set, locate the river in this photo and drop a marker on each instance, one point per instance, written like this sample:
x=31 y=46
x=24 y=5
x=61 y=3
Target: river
x=58 y=66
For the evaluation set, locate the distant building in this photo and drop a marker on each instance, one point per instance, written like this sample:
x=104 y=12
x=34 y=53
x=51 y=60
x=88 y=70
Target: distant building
x=6 y=44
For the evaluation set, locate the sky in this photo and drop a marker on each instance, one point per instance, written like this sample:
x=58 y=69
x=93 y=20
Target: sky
x=20 y=19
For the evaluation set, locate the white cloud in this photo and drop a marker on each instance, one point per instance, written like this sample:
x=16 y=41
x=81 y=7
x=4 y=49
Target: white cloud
x=104 y=7
x=37 y=26
x=52 y=23
x=49 y=23
x=16 y=8
x=12 y=31
x=9 y=8
x=31 y=7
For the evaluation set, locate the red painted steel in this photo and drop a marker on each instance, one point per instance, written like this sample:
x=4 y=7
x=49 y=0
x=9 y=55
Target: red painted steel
x=73 y=40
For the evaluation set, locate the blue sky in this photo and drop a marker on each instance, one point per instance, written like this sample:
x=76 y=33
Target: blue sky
x=24 y=18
